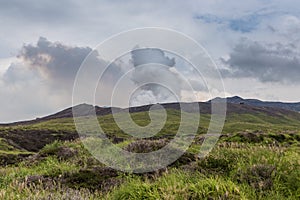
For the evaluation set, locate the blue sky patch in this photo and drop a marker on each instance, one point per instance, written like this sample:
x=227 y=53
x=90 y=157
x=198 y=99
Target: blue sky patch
x=244 y=24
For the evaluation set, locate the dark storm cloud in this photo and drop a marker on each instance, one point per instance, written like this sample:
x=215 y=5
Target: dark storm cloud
x=58 y=64
x=274 y=62
x=151 y=55
x=54 y=59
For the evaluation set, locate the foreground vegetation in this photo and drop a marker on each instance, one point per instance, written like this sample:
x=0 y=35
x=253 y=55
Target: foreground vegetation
x=257 y=157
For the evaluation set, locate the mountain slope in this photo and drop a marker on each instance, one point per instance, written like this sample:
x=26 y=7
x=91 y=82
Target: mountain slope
x=33 y=135
x=259 y=103
x=235 y=105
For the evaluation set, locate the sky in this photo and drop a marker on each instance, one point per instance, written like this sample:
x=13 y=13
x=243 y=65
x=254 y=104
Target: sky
x=254 y=43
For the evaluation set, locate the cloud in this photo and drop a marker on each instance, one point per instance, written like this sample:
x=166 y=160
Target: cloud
x=271 y=62
x=42 y=78
x=54 y=60
x=17 y=74
x=48 y=69
x=287 y=26
x=155 y=76
x=151 y=75
x=243 y=23
x=26 y=95
x=58 y=63
x=151 y=55
x=42 y=12
x=86 y=23
x=163 y=77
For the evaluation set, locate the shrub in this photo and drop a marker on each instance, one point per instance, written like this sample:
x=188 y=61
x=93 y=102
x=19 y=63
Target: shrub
x=146 y=146
x=258 y=176
x=58 y=149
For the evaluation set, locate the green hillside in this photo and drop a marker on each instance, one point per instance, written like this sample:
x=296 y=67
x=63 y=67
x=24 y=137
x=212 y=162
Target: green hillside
x=257 y=157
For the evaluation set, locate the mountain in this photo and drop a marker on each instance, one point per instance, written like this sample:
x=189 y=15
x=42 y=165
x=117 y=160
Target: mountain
x=241 y=114
x=259 y=103
x=235 y=105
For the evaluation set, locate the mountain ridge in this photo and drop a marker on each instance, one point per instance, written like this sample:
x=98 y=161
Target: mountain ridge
x=235 y=104
x=295 y=106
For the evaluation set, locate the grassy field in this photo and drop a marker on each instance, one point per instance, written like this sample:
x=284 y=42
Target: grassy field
x=257 y=157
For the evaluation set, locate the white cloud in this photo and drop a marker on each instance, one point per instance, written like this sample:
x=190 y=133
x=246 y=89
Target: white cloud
x=86 y=23
x=5 y=63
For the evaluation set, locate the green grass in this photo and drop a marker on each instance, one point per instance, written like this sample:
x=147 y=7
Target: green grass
x=231 y=171
x=256 y=158
x=178 y=184
x=5 y=146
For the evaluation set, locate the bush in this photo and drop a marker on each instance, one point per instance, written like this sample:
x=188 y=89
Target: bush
x=58 y=149
x=96 y=178
x=146 y=146
x=258 y=176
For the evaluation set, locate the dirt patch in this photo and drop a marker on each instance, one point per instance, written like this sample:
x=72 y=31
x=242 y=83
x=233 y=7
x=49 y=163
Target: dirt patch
x=34 y=140
x=97 y=178
x=12 y=158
